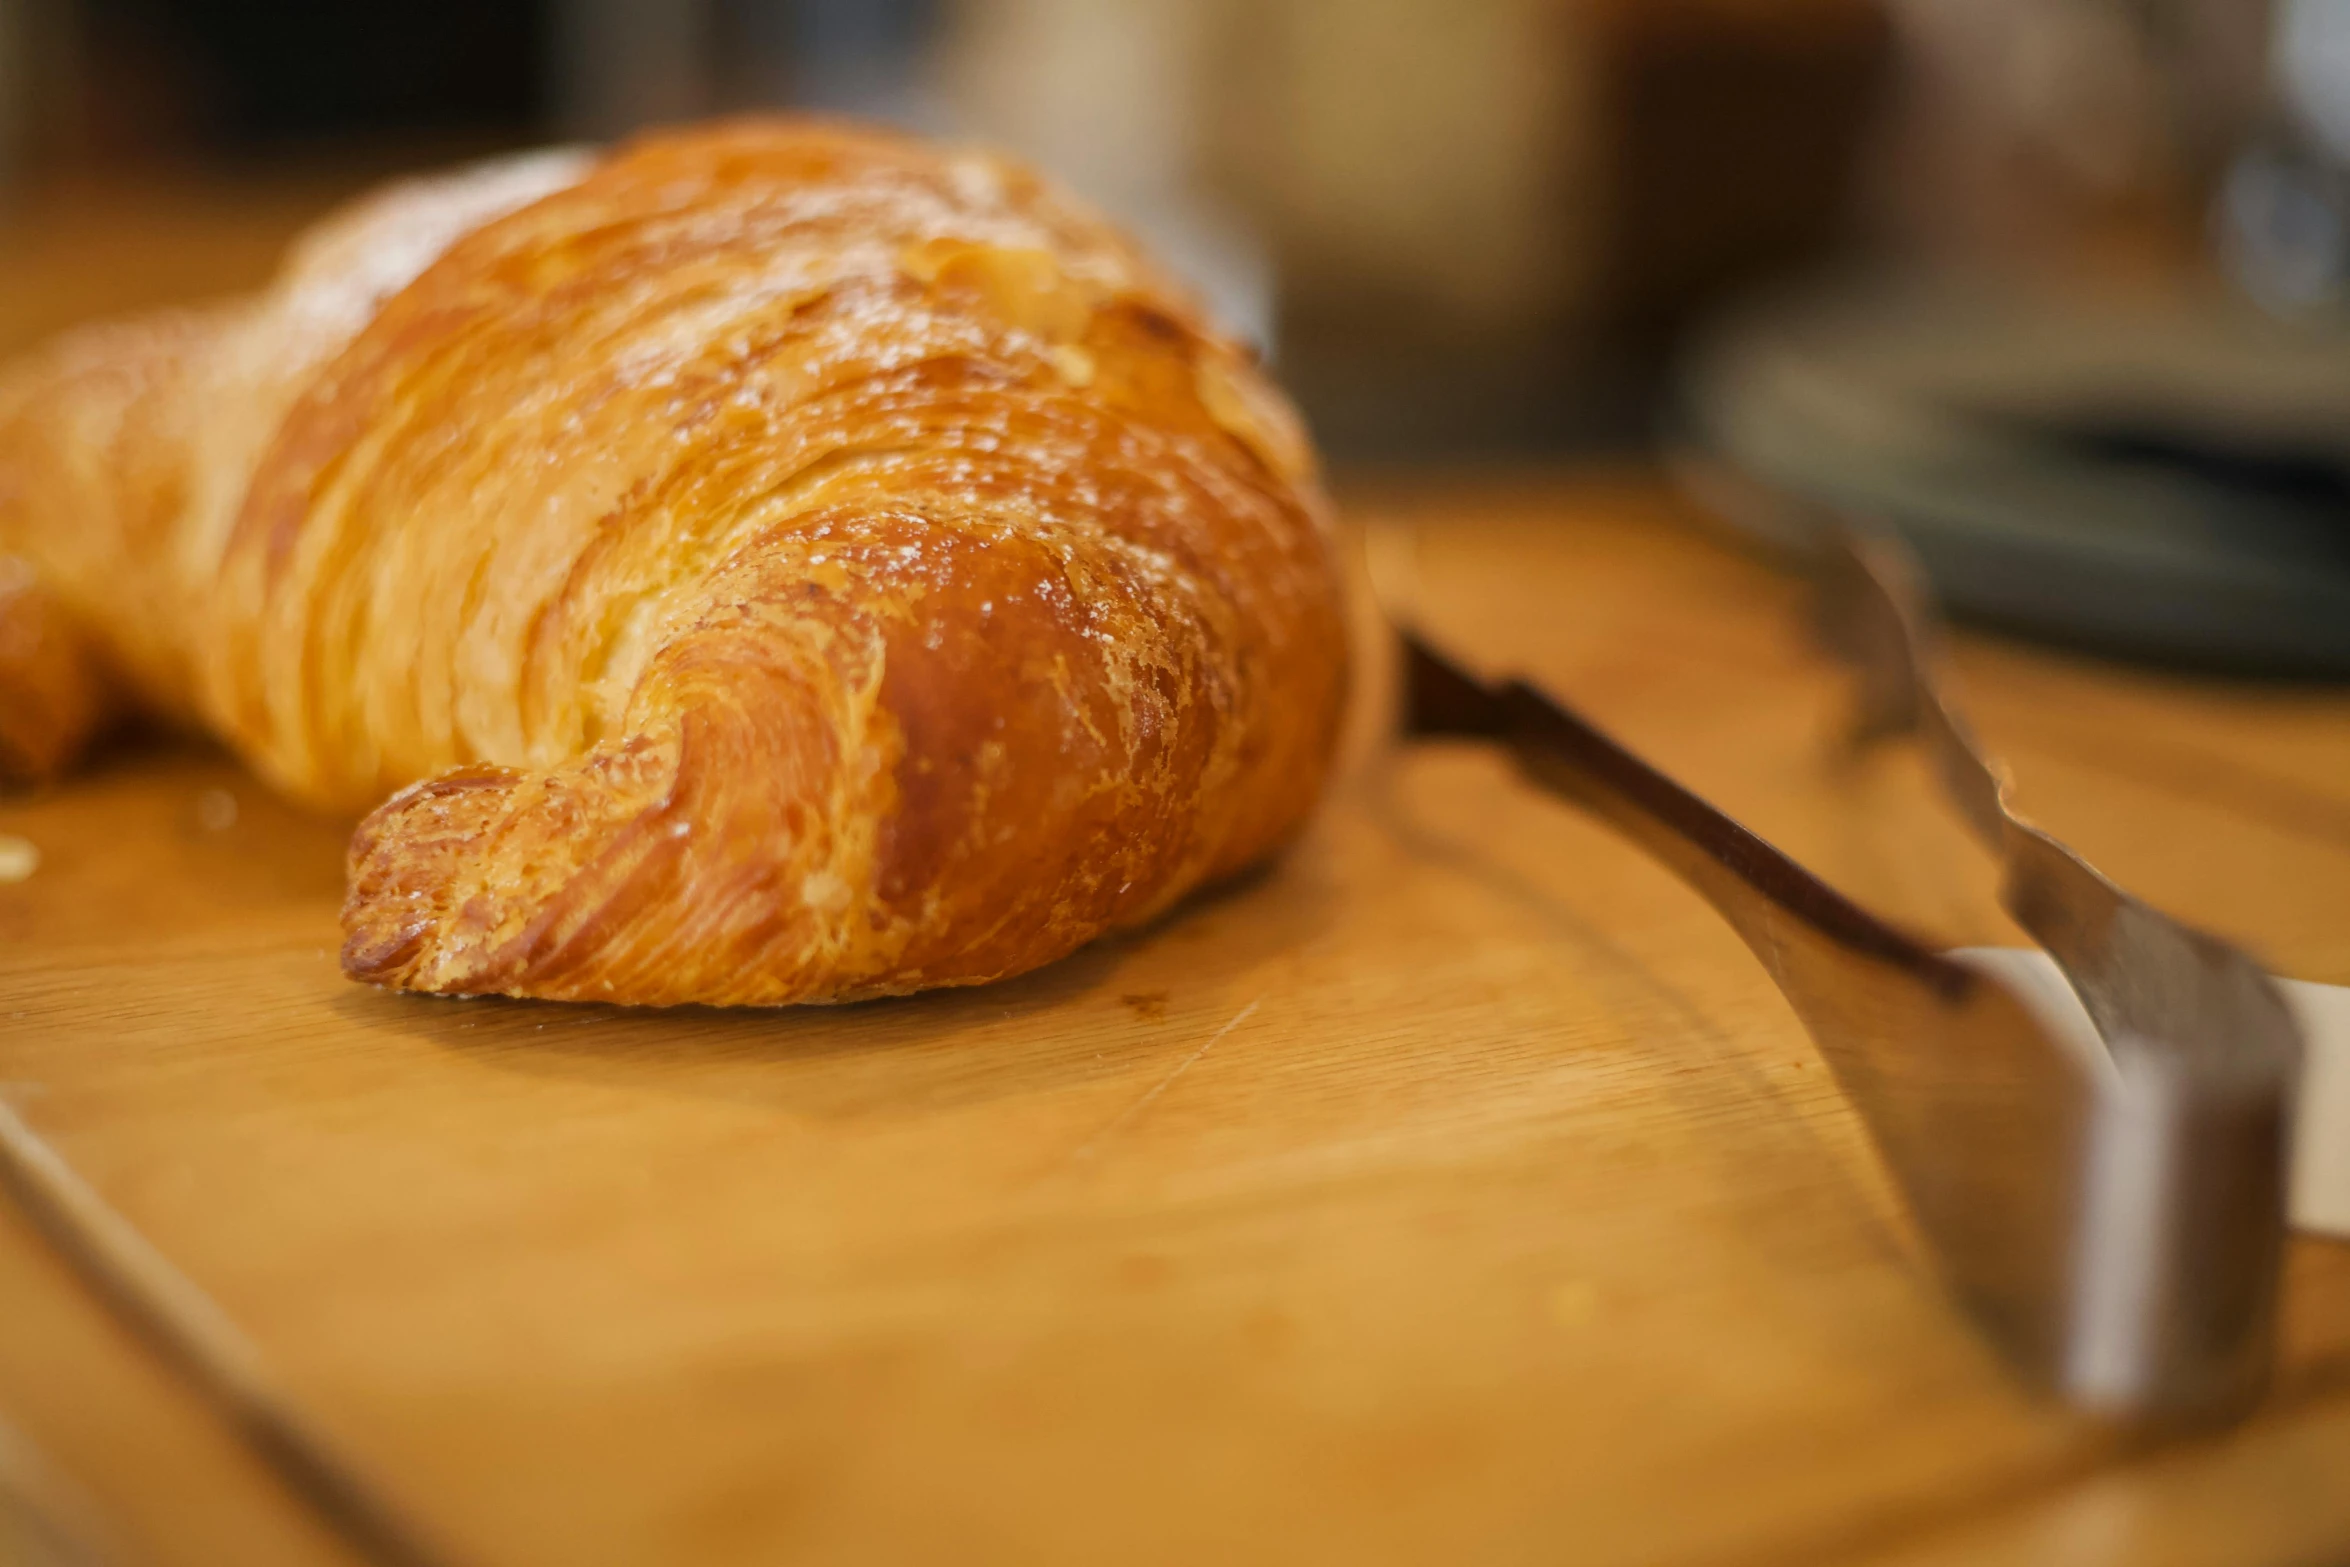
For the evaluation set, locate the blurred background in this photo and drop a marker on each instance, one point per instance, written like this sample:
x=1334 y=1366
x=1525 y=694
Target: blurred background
x=2054 y=285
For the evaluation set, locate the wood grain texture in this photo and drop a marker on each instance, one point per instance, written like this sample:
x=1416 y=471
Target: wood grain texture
x=122 y=1443
x=1458 y=1190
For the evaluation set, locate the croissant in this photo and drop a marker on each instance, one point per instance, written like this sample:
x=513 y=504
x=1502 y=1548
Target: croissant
x=766 y=562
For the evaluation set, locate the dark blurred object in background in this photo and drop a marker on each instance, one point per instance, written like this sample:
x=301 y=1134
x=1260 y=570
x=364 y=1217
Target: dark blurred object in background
x=2086 y=429
x=1735 y=132
x=2031 y=131
x=2161 y=478
x=2284 y=213
x=250 y=79
x=1488 y=219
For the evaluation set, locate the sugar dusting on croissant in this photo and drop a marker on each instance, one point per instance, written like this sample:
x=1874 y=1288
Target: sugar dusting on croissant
x=770 y=562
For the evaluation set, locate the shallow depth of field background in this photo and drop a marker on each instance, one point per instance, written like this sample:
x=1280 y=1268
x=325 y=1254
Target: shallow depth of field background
x=1469 y=228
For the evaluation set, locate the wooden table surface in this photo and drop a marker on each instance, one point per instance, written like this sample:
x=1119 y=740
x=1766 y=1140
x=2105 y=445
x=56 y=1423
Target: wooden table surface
x=1458 y=1191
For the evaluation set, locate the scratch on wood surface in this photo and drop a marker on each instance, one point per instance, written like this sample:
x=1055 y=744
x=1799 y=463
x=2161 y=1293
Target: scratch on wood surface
x=151 y=1297
x=42 y=1508
x=1093 y=1145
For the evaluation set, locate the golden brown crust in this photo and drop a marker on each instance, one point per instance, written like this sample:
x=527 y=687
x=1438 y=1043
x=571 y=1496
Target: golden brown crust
x=800 y=565
x=95 y=435
x=53 y=696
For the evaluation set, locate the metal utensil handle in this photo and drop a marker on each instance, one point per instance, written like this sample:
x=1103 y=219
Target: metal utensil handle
x=2192 y=1154
x=2114 y=1224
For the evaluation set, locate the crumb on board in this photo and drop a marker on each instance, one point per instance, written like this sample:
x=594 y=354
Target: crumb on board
x=18 y=858
x=216 y=810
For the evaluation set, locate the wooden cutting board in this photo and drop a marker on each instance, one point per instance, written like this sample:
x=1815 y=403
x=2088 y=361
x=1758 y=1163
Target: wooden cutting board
x=1458 y=1190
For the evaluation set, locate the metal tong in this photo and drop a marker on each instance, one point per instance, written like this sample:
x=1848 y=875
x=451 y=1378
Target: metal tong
x=2113 y=1218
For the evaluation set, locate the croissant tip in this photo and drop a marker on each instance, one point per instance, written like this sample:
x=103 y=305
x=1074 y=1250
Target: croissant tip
x=379 y=956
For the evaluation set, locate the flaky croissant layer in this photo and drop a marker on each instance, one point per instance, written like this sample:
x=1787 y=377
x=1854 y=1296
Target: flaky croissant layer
x=769 y=562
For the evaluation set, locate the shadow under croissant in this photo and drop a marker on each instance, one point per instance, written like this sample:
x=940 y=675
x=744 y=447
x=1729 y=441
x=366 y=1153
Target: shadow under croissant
x=1081 y=1019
